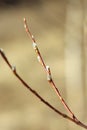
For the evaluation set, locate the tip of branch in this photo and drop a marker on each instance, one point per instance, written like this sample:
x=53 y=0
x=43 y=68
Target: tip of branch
x=1 y=50
x=24 y=19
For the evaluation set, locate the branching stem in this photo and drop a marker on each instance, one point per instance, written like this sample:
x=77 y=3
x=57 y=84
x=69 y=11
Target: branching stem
x=49 y=78
x=36 y=94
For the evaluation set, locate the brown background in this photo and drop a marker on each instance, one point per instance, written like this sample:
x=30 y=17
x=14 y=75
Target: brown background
x=60 y=29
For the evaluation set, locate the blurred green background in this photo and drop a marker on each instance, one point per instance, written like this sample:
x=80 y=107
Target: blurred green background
x=60 y=29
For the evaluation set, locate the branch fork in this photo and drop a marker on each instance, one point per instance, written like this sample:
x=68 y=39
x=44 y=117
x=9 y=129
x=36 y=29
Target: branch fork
x=72 y=117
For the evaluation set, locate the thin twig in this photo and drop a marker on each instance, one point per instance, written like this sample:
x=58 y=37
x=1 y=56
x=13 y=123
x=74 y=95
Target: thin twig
x=48 y=72
x=47 y=69
x=13 y=68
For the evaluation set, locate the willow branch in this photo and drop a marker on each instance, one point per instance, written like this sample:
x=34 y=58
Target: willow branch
x=13 y=69
x=46 y=68
x=49 y=78
x=48 y=71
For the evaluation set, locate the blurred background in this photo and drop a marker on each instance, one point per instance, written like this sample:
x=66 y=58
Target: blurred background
x=60 y=29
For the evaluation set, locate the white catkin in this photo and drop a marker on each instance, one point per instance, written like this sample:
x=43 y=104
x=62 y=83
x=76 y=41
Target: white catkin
x=32 y=36
x=49 y=78
x=13 y=68
x=38 y=57
x=35 y=45
x=25 y=26
x=48 y=68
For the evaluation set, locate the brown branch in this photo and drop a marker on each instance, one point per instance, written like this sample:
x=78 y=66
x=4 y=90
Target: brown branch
x=47 y=69
x=48 y=72
x=49 y=78
x=13 y=68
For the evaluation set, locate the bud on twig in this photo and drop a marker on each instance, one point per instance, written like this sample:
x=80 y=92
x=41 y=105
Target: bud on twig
x=14 y=69
x=49 y=77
